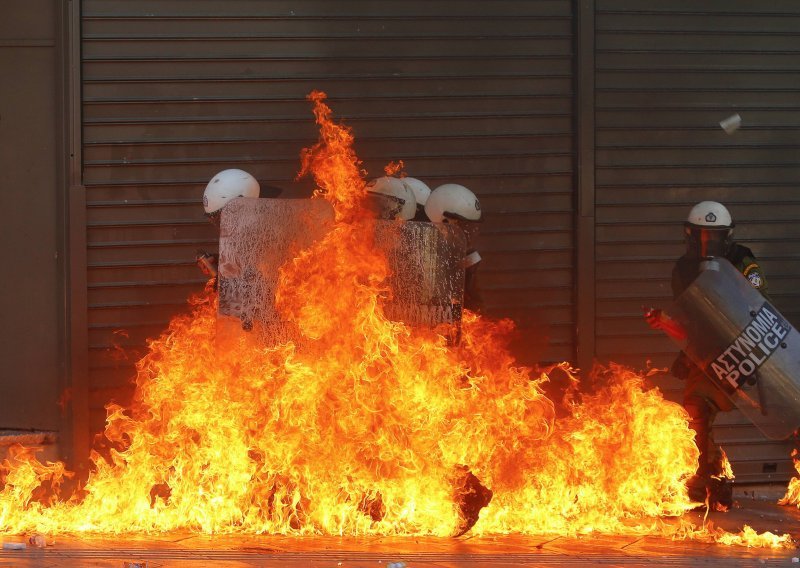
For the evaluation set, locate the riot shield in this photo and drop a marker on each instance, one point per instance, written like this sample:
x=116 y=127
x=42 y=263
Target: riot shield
x=744 y=345
x=257 y=237
x=427 y=279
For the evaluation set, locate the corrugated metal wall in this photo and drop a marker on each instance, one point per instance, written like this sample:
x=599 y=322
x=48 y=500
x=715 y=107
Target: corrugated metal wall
x=468 y=91
x=667 y=73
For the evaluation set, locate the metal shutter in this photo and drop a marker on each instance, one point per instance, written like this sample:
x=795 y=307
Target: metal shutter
x=466 y=91
x=667 y=73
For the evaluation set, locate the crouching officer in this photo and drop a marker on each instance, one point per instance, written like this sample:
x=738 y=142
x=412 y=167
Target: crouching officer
x=455 y=204
x=223 y=187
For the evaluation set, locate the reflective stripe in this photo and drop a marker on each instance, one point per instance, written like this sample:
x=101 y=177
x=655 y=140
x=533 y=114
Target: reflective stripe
x=749 y=267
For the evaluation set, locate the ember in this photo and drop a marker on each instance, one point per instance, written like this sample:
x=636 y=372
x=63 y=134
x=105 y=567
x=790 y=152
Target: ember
x=372 y=427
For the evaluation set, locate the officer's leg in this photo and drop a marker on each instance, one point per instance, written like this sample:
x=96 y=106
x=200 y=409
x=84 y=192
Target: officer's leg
x=701 y=415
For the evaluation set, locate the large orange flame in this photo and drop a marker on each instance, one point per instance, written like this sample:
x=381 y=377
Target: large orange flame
x=370 y=426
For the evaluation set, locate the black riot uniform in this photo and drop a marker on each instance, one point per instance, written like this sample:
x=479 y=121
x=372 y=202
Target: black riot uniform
x=473 y=300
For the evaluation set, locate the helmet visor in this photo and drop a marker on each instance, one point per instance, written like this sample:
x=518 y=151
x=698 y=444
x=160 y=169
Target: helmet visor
x=387 y=207
x=457 y=217
x=705 y=242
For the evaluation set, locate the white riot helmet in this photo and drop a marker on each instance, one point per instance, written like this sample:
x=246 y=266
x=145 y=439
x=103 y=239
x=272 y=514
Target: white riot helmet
x=708 y=230
x=452 y=202
x=227 y=185
x=420 y=189
x=395 y=199
x=710 y=214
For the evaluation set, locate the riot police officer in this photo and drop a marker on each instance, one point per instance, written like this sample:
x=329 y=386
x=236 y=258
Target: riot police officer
x=708 y=232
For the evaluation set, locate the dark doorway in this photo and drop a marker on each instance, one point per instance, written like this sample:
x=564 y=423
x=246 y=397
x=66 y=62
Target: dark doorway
x=31 y=290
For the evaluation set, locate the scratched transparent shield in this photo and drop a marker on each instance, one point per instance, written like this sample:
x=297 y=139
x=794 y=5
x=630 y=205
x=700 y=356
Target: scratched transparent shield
x=744 y=345
x=257 y=237
x=427 y=271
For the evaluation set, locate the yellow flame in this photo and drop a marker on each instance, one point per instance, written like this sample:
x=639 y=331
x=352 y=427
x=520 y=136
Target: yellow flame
x=792 y=496
x=725 y=467
x=750 y=538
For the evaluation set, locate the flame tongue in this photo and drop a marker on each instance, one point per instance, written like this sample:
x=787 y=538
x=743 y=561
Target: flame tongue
x=373 y=427
x=334 y=164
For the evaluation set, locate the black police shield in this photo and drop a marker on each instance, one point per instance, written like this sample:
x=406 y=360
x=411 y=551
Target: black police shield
x=744 y=345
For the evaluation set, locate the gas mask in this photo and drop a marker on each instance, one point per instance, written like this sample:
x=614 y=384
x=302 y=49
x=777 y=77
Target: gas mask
x=706 y=242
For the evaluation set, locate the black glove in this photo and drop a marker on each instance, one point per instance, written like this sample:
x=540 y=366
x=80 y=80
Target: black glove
x=207 y=262
x=473 y=299
x=681 y=366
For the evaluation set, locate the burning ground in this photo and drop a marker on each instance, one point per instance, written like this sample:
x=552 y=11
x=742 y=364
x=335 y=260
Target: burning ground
x=372 y=427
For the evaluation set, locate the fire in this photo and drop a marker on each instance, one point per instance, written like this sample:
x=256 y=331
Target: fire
x=725 y=467
x=792 y=496
x=719 y=492
x=371 y=428
x=749 y=537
